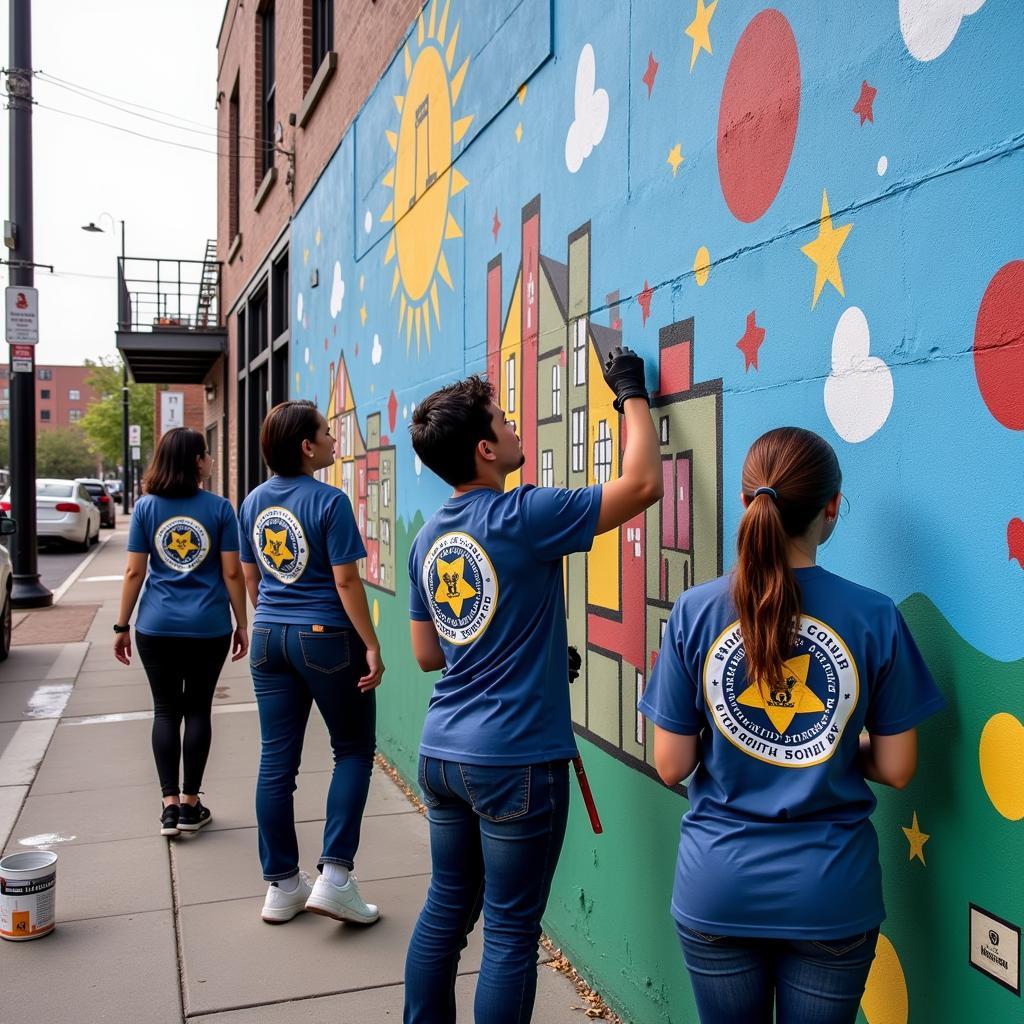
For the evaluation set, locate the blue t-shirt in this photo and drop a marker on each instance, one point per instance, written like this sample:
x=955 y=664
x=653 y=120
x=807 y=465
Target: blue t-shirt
x=487 y=570
x=777 y=841
x=295 y=528
x=184 y=592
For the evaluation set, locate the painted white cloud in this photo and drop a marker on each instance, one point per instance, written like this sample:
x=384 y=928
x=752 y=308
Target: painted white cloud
x=405 y=412
x=859 y=390
x=337 y=290
x=883 y=165
x=298 y=308
x=377 y=351
x=929 y=26
x=306 y=357
x=418 y=464
x=591 y=107
x=368 y=222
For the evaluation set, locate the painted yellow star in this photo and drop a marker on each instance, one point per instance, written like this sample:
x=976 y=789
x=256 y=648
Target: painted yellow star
x=698 y=29
x=917 y=839
x=791 y=697
x=453 y=588
x=318 y=236
x=181 y=544
x=824 y=252
x=362 y=314
x=276 y=546
x=305 y=255
x=521 y=94
x=675 y=157
x=519 y=132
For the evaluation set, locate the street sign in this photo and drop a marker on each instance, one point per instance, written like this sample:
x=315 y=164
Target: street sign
x=22 y=315
x=134 y=435
x=22 y=358
x=172 y=410
x=136 y=452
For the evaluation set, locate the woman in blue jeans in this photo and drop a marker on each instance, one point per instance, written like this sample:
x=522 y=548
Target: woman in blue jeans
x=312 y=642
x=784 y=689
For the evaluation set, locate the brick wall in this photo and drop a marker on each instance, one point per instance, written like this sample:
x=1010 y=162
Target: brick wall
x=54 y=396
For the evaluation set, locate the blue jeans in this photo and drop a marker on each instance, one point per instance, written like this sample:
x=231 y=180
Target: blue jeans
x=292 y=667
x=499 y=824
x=813 y=981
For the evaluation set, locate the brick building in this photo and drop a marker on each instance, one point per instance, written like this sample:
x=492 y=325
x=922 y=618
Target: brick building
x=62 y=396
x=292 y=75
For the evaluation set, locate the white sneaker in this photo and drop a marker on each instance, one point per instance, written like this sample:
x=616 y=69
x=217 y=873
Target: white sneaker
x=281 y=906
x=342 y=902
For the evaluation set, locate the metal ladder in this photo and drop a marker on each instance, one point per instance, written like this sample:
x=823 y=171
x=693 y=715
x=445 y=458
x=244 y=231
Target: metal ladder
x=208 y=285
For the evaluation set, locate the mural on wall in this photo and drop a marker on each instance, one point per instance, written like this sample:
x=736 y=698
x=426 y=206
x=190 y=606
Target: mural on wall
x=797 y=214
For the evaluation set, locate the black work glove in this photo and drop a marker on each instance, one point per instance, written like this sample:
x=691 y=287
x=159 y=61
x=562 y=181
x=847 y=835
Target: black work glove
x=575 y=663
x=624 y=374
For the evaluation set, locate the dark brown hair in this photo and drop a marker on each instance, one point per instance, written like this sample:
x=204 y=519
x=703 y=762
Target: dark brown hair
x=803 y=470
x=448 y=425
x=287 y=425
x=174 y=471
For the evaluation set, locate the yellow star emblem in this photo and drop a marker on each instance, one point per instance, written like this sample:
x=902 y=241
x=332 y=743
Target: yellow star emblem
x=824 y=252
x=675 y=157
x=698 y=29
x=181 y=544
x=519 y=132
x=453 y=589
x=362 y=314
x=276 y=546
x=791 y=697
x=917 y=839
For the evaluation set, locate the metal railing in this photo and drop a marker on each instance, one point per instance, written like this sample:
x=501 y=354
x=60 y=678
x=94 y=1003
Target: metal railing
x=161 y=294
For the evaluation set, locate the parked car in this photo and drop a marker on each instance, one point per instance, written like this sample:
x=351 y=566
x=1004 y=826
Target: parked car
x=7 y=527
x=113 y=488
x=102 y=499
x=64 y=511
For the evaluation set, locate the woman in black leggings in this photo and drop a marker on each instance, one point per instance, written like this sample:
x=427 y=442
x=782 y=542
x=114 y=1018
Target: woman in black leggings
x=183 y=557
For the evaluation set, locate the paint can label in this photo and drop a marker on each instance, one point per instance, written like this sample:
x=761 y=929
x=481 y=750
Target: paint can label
x=27 y=906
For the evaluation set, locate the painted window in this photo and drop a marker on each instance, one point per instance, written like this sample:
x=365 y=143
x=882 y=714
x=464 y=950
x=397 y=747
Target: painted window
x=547 y=468
x=640 y=732
x=663 y=427
x=579 y=425
x=385 y=493
x=347 y=478
x=346 y=435
x=677 y=477
x=579 y=351
x=556 y=390
x=603 y=453
x=510 y=384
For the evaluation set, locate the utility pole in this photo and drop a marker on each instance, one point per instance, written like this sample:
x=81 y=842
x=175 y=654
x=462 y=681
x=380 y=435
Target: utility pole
x=124 y=324
x=27 y=589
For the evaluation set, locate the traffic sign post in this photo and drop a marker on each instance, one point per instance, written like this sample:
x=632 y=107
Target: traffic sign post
x=22 y=315
x=135 y=436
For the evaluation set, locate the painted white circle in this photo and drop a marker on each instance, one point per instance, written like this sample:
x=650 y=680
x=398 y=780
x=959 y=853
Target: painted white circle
x=368 y=222
x=800 y=722
x=461 y=587
x=307 y=355
x=280 y=544
x=182 y=543
x=883 y=165
x=298 y=307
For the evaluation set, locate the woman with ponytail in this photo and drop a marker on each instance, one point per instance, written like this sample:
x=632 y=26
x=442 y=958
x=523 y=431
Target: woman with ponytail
x=783 y=689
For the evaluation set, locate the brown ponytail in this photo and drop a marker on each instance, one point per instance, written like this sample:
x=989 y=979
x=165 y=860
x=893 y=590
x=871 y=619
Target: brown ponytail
x=803 y=471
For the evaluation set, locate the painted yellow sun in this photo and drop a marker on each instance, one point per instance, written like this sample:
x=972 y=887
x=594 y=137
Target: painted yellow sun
x=422 y=179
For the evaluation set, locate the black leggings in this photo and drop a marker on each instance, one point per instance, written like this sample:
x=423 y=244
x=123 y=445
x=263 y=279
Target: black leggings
x=183 y=673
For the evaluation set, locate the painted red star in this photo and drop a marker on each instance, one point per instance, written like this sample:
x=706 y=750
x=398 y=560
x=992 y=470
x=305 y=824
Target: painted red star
x=751 y=342
x=392 y=409
x=496 y=226
x=863 y=106
x=1015 y=541
x=650 y=74
x=644 y=298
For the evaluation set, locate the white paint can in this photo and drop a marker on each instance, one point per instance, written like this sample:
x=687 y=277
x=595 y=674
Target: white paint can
x=28 y=895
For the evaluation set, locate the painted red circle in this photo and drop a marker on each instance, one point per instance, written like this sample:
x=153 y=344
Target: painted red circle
x=758 y=115
x=999 y=345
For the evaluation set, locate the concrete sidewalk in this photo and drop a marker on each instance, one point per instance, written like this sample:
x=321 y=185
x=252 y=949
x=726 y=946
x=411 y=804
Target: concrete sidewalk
x=151 y=930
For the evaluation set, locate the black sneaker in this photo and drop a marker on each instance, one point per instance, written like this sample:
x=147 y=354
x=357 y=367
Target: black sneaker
x=193 y=817
x=169 y=820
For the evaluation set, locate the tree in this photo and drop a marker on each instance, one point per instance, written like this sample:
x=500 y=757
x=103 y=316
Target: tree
x=102 y=422
x=64 y=452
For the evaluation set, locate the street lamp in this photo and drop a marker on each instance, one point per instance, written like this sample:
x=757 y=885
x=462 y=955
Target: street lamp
x=126 y=451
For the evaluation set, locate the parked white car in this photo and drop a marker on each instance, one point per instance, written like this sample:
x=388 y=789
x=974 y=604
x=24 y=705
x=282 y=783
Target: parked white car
x=64 y=511
x=7 y=527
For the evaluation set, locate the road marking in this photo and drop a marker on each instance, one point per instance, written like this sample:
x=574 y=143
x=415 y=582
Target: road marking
x=68 y=663
x=82 y=566
x=23 y=754
x=141 y=716
x=102 y=579
x=11 y=799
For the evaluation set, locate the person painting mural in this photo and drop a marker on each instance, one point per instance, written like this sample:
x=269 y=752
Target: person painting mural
x=784 y=689
x=487 y=606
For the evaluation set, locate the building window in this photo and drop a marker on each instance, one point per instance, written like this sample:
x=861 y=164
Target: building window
x=579 y=425
x=279 y=297
x=677 y=477
x=547 y=468
x=234 y=163
x=258 y=326
x=663 y=429
x=510 y=384
x=46 y=374
x=579 y=351
x=44 y=394
x=556 y=390
x=44 y=415
x=268 y=86
x=603 y=454
x=74 y=415
x=348 y=478
x=385 y=493
x=640 y=733
x=74 y=395
x=323 y=30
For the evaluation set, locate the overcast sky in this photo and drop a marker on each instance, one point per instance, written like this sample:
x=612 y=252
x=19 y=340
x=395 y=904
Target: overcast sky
x=156 y=53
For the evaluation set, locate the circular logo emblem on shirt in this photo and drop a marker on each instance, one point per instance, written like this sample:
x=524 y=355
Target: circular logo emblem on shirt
x=182 y=543
x=462 y=587
x=280 y=542
x=797 y=722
